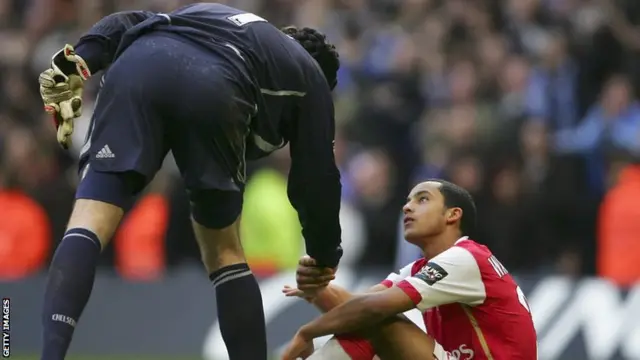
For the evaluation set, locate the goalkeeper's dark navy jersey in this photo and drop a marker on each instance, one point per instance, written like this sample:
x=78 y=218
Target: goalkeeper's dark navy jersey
x=292 y=98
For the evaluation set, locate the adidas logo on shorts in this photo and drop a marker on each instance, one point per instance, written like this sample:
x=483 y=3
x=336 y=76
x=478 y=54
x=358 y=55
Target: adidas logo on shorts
x=105 y=153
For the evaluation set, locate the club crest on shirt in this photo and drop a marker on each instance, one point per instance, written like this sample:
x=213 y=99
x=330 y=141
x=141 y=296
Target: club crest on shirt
x=431 y=273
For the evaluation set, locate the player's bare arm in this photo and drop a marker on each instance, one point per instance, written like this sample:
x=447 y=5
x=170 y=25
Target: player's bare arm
x=359 y=312
x=312 y=284
x=334 y=295
x=328 y=297
x=392 y=337
x=383 y=337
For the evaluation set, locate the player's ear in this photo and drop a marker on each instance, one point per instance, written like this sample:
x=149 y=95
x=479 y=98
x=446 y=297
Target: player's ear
x=454 y=215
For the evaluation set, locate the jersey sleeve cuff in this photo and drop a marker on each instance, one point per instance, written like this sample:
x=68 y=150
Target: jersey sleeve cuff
x=92 y=52
x=411 y=291
x=387 y=283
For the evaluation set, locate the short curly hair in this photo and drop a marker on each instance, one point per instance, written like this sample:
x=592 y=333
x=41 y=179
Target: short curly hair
x=322 y=51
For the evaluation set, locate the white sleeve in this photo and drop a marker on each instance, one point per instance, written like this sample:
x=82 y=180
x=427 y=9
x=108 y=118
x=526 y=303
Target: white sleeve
x=451 y=277
x=395 y=278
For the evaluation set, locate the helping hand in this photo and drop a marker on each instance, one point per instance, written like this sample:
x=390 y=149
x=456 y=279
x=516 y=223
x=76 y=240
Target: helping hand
x=299 y=347
x=310 y=278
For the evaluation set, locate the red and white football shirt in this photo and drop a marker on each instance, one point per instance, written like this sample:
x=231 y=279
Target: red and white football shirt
x=471 y=305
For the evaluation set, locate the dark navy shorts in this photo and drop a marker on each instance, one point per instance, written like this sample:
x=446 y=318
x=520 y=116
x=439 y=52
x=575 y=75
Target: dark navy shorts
x=168 y=94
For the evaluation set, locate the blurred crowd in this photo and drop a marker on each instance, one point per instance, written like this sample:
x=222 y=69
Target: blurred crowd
x=531 y=105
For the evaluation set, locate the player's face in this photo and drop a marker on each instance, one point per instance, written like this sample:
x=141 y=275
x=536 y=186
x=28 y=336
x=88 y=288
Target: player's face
x=424 y=212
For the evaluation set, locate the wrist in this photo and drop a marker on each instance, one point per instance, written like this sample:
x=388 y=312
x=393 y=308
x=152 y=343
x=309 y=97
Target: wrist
x=322 y=292
x=325 y=299
x=314 y=299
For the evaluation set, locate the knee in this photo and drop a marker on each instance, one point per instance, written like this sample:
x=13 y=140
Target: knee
x=219 y=248
x=97 y=217
x=216 y=226
x=102 y=198
x=215 y=209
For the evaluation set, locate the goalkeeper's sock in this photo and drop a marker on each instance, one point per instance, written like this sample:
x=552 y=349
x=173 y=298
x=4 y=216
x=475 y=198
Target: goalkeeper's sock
x=240 y=312
x=70 y=282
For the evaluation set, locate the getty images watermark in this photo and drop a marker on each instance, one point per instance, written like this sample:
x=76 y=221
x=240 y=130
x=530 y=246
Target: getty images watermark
x=6 y=327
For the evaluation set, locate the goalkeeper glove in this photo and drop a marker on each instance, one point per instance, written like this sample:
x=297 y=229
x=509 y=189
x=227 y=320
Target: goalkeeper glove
x=61 y=91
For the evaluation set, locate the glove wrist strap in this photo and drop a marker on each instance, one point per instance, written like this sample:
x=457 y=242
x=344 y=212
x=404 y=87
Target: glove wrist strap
x=81 y=66
x=68 y=63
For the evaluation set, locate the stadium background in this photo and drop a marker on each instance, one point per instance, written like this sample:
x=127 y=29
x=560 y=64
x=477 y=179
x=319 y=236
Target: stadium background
x=529 y=104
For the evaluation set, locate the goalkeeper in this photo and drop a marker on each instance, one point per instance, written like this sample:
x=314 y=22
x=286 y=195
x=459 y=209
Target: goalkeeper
x=216 y=86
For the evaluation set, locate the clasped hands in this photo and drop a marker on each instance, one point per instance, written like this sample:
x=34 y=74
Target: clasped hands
x=311 y=280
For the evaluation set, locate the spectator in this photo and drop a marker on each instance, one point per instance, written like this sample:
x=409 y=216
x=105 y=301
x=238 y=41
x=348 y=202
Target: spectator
x=551 y=95
x=618 y=247
x=611 y=124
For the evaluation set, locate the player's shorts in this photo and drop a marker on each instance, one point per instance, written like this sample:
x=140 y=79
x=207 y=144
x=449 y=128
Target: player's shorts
x=332 y=350
x=165 y=93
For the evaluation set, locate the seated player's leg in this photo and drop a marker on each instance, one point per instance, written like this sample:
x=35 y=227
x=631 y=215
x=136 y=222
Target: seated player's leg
x=401 y=339
x=396 y=339
x=124 y=149
x=333 y=350
x=208 y=144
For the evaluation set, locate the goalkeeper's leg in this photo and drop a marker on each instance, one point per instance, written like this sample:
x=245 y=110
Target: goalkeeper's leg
x=208 y=145
x=238 y=297
x=124 y=150
x=95 y=217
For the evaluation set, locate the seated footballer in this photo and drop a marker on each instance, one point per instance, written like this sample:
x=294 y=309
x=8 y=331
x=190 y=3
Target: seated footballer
x=472 y=307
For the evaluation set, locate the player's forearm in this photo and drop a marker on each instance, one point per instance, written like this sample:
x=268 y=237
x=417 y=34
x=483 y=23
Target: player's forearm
x=98 y=46
x=357 y=313
x=322 y=235
x=333 y=295
x=316 y=196
x=330 y=297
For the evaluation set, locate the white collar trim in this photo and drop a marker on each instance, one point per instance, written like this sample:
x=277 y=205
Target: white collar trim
x=461 y=239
